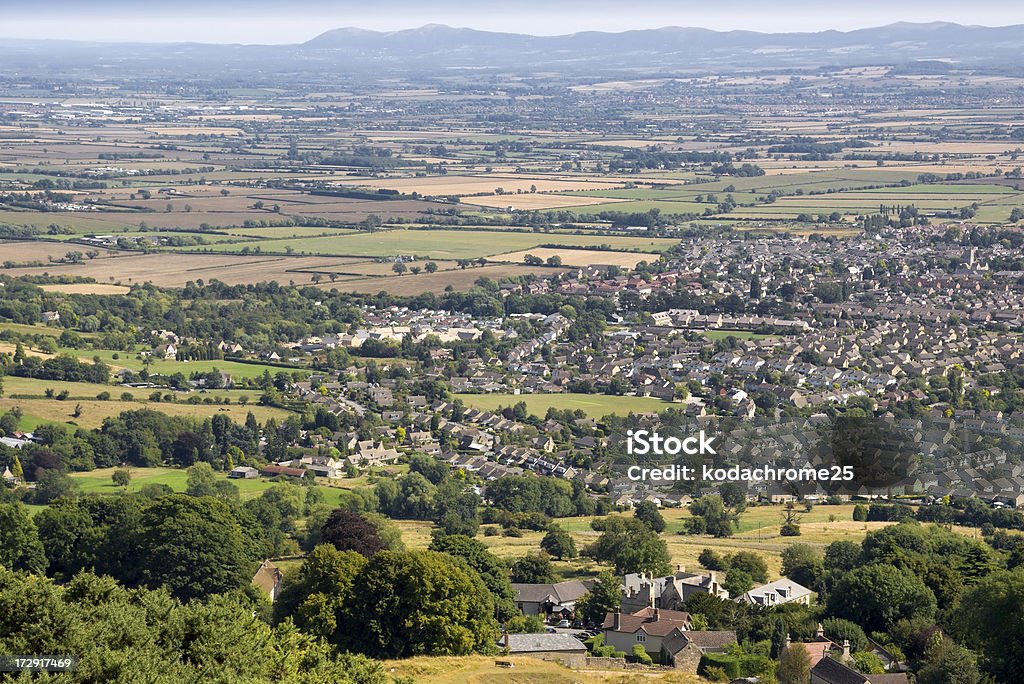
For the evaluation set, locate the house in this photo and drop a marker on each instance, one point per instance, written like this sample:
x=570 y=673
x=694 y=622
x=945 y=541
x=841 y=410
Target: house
x=683 y=650
x=13 y=442
x=670 y=592
x=648 y=626
x=268 y=579
x=51 y=317
x=167 y=352
x=831 y=671
x=777 y=593
x=243 y=473
x=550 y=601
x=9 y=477
x=563 y=648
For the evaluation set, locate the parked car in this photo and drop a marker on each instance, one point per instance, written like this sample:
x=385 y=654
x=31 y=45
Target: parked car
x=564 y=624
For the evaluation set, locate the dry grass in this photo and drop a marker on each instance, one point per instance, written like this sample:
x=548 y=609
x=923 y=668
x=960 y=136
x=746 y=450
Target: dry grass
x=482 y=670
x=87 y=288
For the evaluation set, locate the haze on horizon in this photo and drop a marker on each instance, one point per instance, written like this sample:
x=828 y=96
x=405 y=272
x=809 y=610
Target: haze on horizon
x=277 y=22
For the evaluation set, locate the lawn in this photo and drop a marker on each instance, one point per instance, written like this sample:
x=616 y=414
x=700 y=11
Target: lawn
x=595 y=405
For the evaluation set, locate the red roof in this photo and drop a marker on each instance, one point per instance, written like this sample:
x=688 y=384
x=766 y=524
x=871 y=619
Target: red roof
x=281 y=470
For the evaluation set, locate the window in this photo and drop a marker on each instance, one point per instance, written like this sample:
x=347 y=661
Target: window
x=641 y=636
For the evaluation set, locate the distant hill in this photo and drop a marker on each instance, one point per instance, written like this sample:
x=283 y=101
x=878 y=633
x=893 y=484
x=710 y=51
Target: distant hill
x=436 y=49
x=684 y=47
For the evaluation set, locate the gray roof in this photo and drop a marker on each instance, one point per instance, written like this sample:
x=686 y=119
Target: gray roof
x=561 y=592
x=532 y=643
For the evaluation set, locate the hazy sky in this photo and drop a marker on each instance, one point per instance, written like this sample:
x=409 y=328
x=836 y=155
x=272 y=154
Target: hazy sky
x=284 y=21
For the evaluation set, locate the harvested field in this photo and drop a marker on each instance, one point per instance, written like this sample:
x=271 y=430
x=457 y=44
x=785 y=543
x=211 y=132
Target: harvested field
x=580 y=257
x=87 y=288
x=39 y=250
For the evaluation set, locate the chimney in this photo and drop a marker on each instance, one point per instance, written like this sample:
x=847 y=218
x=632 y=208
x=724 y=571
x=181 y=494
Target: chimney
x=506 y=638
x=846 y=650
x=657 y=614
x=616 y=620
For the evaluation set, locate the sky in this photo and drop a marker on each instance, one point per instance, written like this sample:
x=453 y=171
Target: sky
x=294 y=21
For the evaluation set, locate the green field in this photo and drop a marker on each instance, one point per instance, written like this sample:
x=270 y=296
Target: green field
x=99 y=482
x=442 y=244
x=595 y=405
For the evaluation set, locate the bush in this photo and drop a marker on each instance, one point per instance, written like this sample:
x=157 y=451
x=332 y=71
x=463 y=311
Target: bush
x=641 y=656
x=491 y=532
x=727 y=664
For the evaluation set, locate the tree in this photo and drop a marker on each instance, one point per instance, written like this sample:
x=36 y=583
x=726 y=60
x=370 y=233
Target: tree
x=868 y=663
x=802 y=564
x=712 y=560
x=794 y=666
x=842 y=556
x=554 y=260
x=195 y=547
x=737 y=583
x=533 y=569
x=489 y=567
x=559 y=544
x=430 y=267
x=201 y=480
x=990 y=623
x=948 y=663
x=419 y=603
x=647 y=513
x=877 y=596
x=347 y=531
x=315 y=594
x=750 y=562
x=146 y=636
x=717 y=520
x=20 y=548
x=790 y=521
x=399 y=268
x=778 y=640
x=630 y=546
x=860 y=513
x=455 y=507
x=839 y=630
x=603 y=598
x=121 y=477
